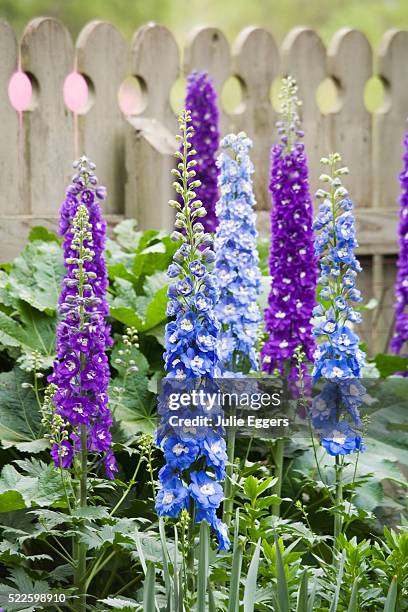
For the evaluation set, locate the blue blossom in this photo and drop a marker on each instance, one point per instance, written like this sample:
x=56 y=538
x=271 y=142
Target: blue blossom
x=342 y=441
x=206 y=491
x=195 y=457
x=172 y=498
x=180 y=453
x=338 y=358
x=236 y=257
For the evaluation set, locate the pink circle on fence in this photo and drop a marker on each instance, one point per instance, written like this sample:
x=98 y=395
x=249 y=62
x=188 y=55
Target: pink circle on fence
x=76 y=92
x=20 y=91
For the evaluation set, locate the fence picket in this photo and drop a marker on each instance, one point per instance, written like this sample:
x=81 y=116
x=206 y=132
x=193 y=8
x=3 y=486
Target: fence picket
x=257 y=116
x=47 y=54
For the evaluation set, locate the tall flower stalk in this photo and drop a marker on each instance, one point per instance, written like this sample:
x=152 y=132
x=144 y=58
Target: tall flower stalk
x=81 y=421
x=400 y=337
x=338 y=358
x=292 y=262
x=202 y=102
x=195 y=458
x=236 y=271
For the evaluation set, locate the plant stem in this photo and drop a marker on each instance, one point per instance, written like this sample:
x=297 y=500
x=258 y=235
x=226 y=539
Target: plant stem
x=80 y=579
x=277 y=452
x=338 y=517
x=228 y=486
x=126 y=493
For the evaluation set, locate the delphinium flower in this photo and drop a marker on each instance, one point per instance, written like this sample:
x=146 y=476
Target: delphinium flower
x=338 y=358
x=195 y=458
x=81 y=371
x=236 y=257
x=201 y=101
x=292 y=263
x=400 y=337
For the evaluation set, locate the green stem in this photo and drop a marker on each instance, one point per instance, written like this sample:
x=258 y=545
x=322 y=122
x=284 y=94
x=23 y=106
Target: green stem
x=278 y=451
x=126 y=493
x=190 y=551
x=229 y=483
x=338 y=517
x=81 y=549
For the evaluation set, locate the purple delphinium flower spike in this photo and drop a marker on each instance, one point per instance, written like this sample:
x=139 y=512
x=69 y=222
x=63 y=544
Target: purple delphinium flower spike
x=81 y=371
x=292 y=262
x=201 y=101
x=338 y=358
x=236 y=263
x=400 y=337
x=195 y=456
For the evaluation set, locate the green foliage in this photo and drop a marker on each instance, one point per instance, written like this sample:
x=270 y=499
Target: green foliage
x=135 y=562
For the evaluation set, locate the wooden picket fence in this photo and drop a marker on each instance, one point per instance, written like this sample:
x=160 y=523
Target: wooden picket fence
x=134 y=153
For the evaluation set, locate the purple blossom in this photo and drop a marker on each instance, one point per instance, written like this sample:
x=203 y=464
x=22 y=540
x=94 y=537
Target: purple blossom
x=201 y=101
x=292 y=263
x=401 y=287
x=81 y=372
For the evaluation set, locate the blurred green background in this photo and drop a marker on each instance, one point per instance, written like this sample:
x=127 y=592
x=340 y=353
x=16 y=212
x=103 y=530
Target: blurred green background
x=373 y=17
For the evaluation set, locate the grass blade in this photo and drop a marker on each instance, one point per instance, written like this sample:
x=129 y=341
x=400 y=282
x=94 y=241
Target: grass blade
x=211 y=600
x=302 y=597
x=353 y=604
x=178 y=601
x=233 y=605
x=203 y=565
x=283 y=591
x=310 y=603
x=166 y=557
x=250 y=584
x=149 y=603
x=335 y=601
x=140 y=552
x=391 y=600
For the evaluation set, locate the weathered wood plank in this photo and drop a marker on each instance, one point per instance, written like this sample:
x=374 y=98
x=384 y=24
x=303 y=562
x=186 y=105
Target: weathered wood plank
x=47 y=54
x=350 y=65
x=390 y=120
x=154 y=59
x=149 y=159
x=102 y=56
x=207 y=49
x=256 y=64
x=11 y=195
x=304 y=58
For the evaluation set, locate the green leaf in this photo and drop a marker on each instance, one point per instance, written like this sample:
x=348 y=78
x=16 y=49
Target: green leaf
x=353 y=603
x=20 y=419
x=336 y=596
x=121 y=603
x=251 y=581
x=34 y=332
x=203 y=566
x=10 y=501
x=133 y=408
x=36 y=274
x=41 y=490
x=38 y=232
x=233 y=605
x=126 y=234
x=391 y=600
x=149 y=602
x=302 y=595
x=387 y=365
x=282 y=590
x=155 y=310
